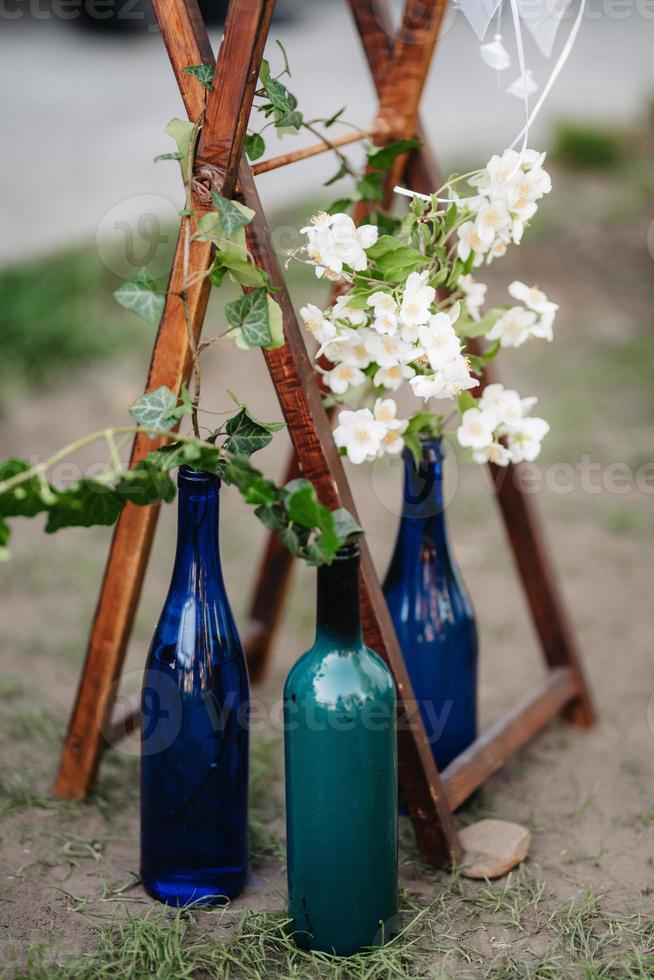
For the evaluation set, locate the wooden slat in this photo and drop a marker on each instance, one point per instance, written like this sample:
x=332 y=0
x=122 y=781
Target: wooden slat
x=301 y=403
x=314 y=150
x=171 y=363
x=498 y=743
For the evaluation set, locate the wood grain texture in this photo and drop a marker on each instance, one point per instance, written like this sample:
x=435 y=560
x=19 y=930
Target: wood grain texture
x=500 y=741
x=187 y=44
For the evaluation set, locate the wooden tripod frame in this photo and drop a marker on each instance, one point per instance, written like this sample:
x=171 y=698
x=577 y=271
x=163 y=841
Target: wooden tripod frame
x=399 y=68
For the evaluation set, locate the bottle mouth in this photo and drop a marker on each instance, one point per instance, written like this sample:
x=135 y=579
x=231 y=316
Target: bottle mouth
x=196 y=481
x=348 y=551
x=432 y=449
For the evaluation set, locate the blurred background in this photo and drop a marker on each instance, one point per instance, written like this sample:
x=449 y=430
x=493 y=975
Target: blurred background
x=83 y=206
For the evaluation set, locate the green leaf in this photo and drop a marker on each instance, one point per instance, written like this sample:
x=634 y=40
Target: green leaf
x=370 y=188
x=449 y=219
x=139 y=295
x=232 y=214
x=345 y=525
x=249 y=315
x=255 y=146
x=302 y=503
x=183 y=132
x=155 y=409
x=465 y=401
x=394 y=260
x=246 y=435
x=342 y=171
x=332 y=119
x=26 y=499
x=168 y=156
x=203 y=73
x=240 y=269
x=145 y=484
x=466 y=327
x=340 y=206
x=383 y=158
x=86 y=503
x=5 y=534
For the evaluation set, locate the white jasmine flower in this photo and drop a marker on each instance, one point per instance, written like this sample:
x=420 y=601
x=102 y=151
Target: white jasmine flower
x=342 y=377
x=417 y=299
x=392 y=377
x=448 y=383
x=476 y=429
x=475 y=296
x=317 y=323
x=499 y=171
x=335 y=241
x=532 y=297
x=385 y=412
x=508 y=406
x=439 y=341
x=513 y=327
x=493 y=219
x=387 y=351
x=385 y=323
x=360 y=434
x=355 y=351
x=493 y=453
x=470 y=241
x=382 y=302
x=524 y=440
x=341 y=311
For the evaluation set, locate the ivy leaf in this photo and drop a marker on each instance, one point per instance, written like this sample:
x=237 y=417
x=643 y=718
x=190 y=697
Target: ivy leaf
x=255 y=146
x=342 y=171
x=302 y=503
x=345 y=525
x=339 y=206
x=5 y=534
x=168 y=156
x=155 y=409
x=239 y=267
x=183 y=132
x=145 y=484
x=332 y=119
x=256 y=319
x=139 y=294
x=247 y=435
x=24 y=500
x=203 y=73
x=289 y=122
x=232 y=214
x=86 y=503
x=383 y=158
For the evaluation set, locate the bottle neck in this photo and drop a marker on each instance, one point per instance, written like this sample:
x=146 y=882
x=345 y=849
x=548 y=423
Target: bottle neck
x=339 y=614
x=423 y=508
x=197 y=556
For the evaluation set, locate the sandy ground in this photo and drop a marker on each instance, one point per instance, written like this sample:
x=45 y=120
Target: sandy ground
x=586 y=795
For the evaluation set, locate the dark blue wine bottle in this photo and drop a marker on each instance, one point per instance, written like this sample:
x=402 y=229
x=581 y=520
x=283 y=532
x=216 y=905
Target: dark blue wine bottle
x=431 y=610
x=194 y=741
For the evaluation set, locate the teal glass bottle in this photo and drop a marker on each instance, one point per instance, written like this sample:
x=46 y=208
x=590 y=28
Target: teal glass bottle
x=431 y=610
x=341 y=778
x=194 y=733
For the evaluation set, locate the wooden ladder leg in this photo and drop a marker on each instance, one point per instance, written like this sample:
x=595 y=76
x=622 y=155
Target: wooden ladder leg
x=222 y=138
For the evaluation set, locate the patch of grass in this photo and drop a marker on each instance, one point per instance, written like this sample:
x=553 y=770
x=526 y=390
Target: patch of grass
x=33 y=725
x=17 y=792
x=58 y=313
x=11 y=688
x=583 y=146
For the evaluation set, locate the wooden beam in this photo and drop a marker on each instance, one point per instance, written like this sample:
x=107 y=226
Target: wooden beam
x=490 y=751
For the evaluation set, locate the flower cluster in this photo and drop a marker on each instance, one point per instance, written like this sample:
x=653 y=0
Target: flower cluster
x=500 y=430
x=393 y=328
x=518 y=323
x=508 y=189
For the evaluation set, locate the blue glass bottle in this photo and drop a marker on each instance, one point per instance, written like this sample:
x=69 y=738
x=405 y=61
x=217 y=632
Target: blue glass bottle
x=431 y=610
x=194 y=739
x=341 y=778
